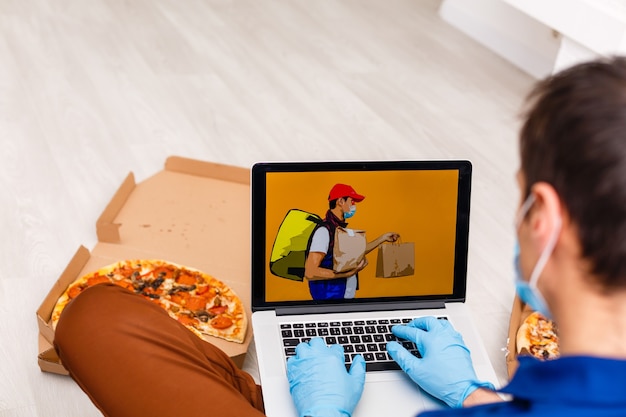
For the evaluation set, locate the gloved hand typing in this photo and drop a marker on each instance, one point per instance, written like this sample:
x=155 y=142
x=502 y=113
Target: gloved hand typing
x=319 y=383
x=445 y=370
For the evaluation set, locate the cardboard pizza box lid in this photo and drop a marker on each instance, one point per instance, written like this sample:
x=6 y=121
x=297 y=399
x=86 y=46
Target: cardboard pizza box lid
x=48 y=360
x=192 y=213
x=519 y=312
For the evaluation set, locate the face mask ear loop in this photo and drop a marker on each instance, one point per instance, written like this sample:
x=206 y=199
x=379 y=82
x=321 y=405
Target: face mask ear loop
x=545 y=255
x=524 y=210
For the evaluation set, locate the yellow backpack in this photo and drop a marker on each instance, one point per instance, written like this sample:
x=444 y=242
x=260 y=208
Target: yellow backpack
x=290 y=245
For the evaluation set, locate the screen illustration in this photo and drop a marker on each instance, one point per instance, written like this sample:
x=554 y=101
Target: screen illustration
x=360 y=234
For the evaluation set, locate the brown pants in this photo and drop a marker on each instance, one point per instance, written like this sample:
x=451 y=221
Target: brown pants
x=132 y=359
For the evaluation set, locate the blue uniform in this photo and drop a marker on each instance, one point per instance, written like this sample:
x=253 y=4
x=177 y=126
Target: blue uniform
x=566 y=387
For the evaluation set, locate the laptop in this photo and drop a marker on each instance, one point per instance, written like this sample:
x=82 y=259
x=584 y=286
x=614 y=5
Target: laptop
x=427 y=203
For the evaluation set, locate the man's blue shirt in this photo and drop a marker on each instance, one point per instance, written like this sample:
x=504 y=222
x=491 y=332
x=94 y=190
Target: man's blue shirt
x=566 y=387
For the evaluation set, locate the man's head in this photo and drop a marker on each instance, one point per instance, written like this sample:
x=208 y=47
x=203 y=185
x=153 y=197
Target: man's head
x=574 y=138
x=343 y=193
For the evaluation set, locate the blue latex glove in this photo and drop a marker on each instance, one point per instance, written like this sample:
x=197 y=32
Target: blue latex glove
x=445 y=370
x=319 y=383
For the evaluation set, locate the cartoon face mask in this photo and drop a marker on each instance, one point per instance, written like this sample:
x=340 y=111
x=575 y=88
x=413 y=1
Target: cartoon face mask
x=350 y=213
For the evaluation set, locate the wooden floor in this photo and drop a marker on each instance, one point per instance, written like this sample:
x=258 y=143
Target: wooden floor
x=90 y=90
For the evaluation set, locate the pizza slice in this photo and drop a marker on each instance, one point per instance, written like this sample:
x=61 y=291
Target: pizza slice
x=537 y=336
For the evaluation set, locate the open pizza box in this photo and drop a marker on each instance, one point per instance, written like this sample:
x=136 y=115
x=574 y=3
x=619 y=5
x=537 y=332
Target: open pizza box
x=192 y=213
x=519 y=312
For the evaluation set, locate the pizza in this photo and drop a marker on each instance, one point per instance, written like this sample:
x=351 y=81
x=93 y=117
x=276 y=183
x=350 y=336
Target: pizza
x=202 y=303
x=538 y=337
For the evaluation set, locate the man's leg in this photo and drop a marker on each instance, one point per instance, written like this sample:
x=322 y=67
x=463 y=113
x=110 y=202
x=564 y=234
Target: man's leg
x=132 y=359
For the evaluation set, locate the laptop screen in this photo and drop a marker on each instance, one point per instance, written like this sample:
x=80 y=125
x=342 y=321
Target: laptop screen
x=299 y=224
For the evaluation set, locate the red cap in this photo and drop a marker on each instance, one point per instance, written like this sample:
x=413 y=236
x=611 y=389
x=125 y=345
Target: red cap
x=343 y=190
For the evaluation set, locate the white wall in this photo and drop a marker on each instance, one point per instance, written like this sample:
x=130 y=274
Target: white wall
x=542 y=36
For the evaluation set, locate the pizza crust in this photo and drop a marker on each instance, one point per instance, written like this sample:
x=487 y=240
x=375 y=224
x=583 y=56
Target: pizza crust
x=523 y=341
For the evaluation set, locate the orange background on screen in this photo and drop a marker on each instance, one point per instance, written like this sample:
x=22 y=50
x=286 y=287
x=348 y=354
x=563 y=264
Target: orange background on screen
x=419 y=205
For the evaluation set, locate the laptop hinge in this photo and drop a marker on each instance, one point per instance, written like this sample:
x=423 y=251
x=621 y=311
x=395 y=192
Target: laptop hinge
x=351 y=308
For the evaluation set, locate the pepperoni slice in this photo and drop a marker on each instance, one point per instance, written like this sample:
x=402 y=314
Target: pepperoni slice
x=221 y=322
x=218 y=310
x=74 y=291
x=97 y=279
x=196 y=303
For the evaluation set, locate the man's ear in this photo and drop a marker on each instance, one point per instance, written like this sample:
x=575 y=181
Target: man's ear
x=545 y=213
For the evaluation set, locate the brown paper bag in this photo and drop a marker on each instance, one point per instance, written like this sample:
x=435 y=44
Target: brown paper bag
x=349 y=249
x=395 y=260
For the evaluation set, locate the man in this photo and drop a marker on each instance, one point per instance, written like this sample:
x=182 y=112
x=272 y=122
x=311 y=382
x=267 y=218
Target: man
x=324 y=283
x=571 y=227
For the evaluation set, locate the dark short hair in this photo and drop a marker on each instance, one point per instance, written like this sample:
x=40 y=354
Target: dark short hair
x=333 y=203
x=574 y=138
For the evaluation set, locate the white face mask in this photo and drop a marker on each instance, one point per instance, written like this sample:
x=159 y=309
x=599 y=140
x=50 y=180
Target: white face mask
x=528 y=291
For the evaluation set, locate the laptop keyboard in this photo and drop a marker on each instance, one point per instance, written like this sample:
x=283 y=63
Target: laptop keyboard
x=365 y=337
